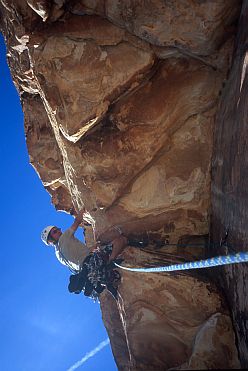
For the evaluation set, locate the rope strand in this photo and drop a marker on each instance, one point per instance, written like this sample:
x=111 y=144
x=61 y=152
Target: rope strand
x=240 y=257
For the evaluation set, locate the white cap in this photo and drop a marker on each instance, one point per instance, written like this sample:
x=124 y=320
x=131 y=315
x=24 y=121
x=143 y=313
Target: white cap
x=45 y=233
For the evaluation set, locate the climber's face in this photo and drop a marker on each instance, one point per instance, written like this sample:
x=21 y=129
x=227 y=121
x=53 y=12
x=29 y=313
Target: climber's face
x=54 y=234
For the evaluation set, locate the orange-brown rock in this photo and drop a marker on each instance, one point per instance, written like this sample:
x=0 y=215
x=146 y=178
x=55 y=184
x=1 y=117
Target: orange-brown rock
x=119 y=100
x=197 y=26
x=166 y=320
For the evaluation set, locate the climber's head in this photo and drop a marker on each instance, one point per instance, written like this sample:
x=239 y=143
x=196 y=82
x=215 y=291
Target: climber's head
x=50 y=235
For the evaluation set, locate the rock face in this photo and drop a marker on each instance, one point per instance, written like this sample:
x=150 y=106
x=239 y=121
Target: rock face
x=168 y=321
x=120 y=100
x=229 y=186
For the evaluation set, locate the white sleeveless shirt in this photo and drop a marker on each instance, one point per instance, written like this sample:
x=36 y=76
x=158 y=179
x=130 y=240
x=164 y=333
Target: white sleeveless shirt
x=70 y=249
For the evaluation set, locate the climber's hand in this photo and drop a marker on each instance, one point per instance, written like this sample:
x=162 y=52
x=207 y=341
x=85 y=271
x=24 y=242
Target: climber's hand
x=78 y=219
x=81 y=213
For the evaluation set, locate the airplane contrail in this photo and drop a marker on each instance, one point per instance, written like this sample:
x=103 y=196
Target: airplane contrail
x=89 y=355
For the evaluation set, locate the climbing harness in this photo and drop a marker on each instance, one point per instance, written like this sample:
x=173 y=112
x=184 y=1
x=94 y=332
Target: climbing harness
x=240 y=257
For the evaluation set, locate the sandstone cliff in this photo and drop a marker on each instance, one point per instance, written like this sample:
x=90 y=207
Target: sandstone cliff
x=120 y=100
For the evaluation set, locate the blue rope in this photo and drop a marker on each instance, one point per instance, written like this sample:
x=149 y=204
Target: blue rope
x=240 y=257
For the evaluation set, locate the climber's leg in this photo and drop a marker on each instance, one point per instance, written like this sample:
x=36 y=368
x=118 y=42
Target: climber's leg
x=119 y=245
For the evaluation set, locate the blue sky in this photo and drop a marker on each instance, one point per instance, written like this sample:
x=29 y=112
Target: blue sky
x=43 y=326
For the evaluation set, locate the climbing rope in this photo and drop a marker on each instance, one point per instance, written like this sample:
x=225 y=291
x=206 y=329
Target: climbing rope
x=240 y=257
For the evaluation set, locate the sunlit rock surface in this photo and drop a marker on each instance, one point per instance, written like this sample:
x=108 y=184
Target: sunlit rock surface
x=120 y=100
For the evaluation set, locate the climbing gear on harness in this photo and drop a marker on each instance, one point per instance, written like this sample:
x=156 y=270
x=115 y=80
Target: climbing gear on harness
x=96 y=274
x=240 y=257
x=79 y=282
x=45 y=234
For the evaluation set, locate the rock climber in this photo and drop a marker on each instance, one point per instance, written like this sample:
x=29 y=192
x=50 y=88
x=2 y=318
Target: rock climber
x=93 y=270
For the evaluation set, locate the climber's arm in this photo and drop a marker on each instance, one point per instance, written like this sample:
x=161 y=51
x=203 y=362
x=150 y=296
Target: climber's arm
x=78 y=219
